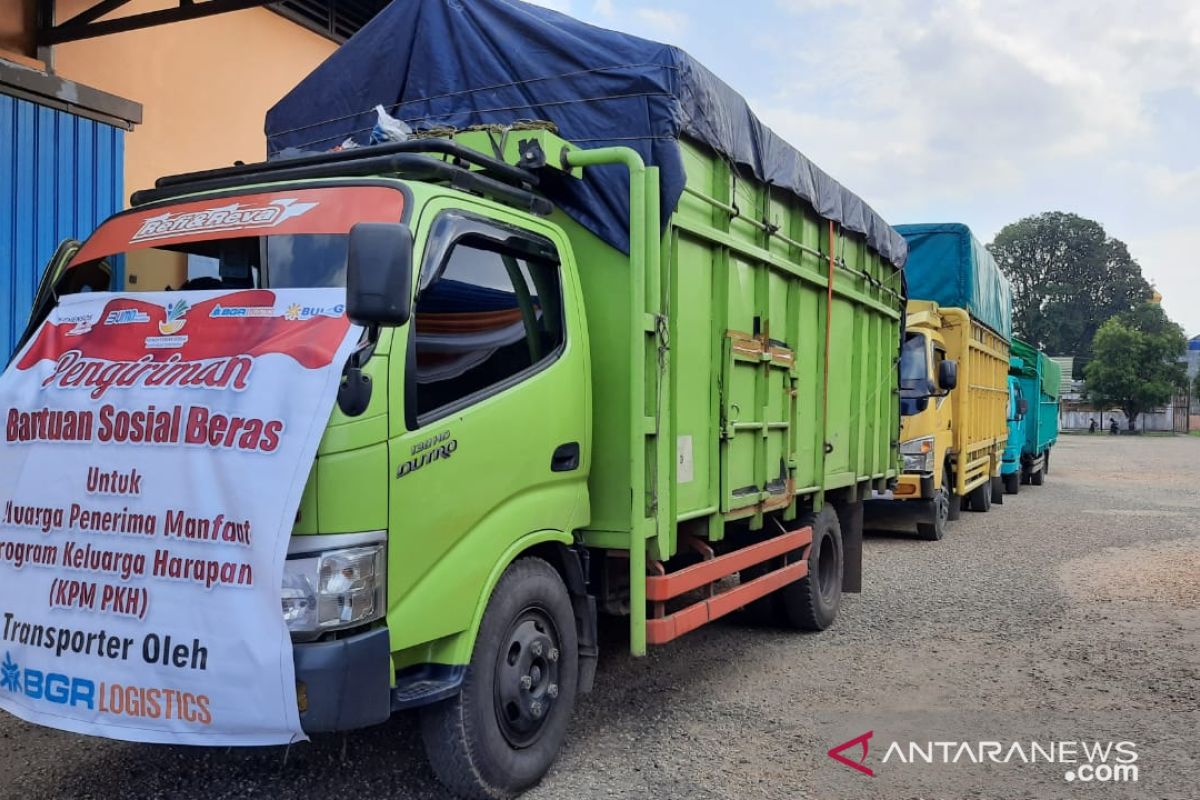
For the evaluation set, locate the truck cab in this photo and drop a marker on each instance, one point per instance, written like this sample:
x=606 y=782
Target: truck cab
x=1010 y=468
x=928 y=375
x=462 y=432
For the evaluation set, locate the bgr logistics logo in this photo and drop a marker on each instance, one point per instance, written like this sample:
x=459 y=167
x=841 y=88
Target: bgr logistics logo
x=1084 y=761
x=120 y=700
x=50 y=687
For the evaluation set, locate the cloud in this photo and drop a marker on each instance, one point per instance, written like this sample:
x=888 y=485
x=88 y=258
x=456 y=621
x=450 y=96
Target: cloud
x=975 y=110
x=988 y=112
x=661 y=23
x=564 y=6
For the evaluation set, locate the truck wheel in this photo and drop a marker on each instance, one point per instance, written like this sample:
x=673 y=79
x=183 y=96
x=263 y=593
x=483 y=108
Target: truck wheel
x=939 y=515
x=502 y=732
x=997 y=491
x=1038 y=478
x=1046 y=462
x=980 y=497
x=1012 y=482
x=812 y=603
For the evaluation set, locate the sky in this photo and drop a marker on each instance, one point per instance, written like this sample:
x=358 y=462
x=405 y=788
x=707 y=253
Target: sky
x=974 y=111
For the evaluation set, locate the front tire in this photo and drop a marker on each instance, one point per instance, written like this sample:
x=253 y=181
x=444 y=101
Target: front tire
x=812 y=603
x=939 y=514
x=502 y=732
x=997 y=491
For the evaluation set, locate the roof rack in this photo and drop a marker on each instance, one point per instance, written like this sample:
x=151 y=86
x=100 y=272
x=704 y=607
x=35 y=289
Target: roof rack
x=493 y=166
x=413 y=159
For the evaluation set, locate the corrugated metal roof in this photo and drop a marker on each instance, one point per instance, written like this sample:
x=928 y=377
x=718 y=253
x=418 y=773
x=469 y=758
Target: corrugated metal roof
x=60 y=175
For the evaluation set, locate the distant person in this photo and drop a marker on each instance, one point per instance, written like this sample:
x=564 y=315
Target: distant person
x=1092 y=426
x=1113 y=427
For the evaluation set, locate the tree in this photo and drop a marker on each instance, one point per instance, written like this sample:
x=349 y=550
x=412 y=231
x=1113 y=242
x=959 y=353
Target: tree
x=1135 y=362
x=1068 y=277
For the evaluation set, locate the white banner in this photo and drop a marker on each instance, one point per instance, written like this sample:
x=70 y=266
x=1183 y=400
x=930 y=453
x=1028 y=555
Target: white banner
x=155 y=450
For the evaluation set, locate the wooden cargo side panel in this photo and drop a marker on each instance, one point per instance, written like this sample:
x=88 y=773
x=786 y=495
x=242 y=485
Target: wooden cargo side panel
x=744 y=277
x=981 y=412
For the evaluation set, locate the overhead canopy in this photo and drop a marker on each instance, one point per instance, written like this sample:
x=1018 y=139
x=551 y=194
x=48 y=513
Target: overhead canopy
x=448 y=63
x=948 y=265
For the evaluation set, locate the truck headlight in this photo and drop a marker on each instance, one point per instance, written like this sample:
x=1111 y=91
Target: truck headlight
x=334 y=589
x=917 y=454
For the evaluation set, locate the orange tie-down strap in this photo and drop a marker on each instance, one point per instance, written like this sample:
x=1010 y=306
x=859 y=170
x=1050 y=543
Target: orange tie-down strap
x=660 y=588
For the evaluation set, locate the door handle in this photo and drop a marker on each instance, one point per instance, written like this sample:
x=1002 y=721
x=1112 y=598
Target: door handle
x=565 y=458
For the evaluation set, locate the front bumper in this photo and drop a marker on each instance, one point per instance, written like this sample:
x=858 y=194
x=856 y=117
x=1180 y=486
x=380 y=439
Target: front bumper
x=913 y=486
x=344 y=684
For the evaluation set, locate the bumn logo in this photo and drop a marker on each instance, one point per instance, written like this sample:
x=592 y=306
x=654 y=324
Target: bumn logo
x=858 y=741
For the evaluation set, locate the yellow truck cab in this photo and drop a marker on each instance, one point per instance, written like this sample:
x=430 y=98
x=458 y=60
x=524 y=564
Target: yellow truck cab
x=953 y=378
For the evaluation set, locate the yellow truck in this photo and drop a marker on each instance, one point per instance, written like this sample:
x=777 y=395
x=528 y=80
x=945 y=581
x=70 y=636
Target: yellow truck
x=953 y=377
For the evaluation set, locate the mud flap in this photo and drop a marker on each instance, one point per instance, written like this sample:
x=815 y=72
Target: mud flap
x=850 y=517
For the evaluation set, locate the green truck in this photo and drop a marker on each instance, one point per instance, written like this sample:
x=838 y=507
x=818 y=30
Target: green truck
x=545 y=423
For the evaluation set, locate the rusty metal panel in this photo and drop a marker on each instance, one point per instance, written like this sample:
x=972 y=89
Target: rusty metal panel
x=60 y=175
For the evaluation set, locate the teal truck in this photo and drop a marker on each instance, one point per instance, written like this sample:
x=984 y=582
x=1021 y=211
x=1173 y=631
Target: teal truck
x=612 y=363
x=1037 y=382
x=1018 y=407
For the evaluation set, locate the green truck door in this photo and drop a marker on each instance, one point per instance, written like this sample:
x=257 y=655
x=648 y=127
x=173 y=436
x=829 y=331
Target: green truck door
x=493 y=447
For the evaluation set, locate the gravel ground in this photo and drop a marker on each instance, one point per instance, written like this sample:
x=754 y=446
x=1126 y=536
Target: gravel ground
x=1070 y=613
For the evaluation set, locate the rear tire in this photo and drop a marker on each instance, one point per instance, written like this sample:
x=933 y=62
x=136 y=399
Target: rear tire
x=980 y=497
x=1012 y=482
x=499 y=736
x=1046 y=462
x=997 y=491
x=812 y=603
x=1038 y=478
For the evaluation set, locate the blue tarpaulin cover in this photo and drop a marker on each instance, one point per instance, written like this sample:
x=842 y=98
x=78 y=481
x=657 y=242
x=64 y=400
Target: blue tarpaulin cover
x=454 y=63
x=948 y=265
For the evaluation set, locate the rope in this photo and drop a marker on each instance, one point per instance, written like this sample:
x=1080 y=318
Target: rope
x=491 y=88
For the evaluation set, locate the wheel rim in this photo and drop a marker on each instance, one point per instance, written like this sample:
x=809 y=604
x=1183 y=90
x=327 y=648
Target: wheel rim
x=527 y=677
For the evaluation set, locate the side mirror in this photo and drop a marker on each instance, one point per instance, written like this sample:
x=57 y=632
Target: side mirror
x=379 y=274
x=947 y=376
x=1022 y=407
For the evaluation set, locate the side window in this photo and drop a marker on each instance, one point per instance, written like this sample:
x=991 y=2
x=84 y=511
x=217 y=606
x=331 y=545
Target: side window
x=488 y=312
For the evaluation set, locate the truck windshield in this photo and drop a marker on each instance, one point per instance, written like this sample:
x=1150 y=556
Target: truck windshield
x=294 y=238
x=915 y=385
x=298 y=261
x=914 y=369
